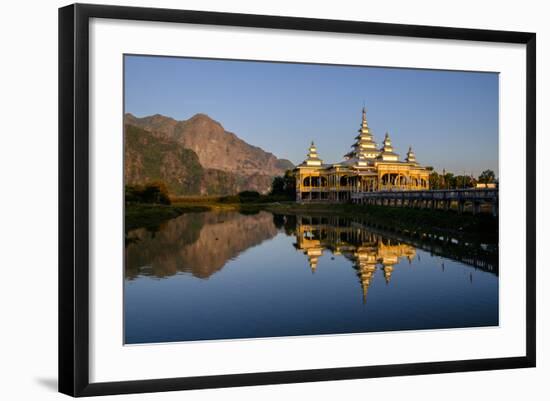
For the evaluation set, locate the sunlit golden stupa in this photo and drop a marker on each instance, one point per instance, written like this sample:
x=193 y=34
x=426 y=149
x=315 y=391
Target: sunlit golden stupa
x=366 y=168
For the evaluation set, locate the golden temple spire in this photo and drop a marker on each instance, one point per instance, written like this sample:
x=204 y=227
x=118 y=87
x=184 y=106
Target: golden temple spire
x=312 y=148
x=364 y=125
x=386 y=152
x=364 y=147
x=312 y=156
x=387 y=143
x=411 y=157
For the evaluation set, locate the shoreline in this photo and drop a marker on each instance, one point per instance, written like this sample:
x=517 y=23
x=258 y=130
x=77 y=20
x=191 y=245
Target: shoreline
x=465 y=227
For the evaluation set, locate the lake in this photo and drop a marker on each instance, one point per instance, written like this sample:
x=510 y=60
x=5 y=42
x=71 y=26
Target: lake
x=228 y=275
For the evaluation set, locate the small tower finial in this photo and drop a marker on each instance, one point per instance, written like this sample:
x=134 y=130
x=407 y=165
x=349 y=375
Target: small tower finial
x=364 y=119
x=386 y=151
x=312 y=156
x=411 y=157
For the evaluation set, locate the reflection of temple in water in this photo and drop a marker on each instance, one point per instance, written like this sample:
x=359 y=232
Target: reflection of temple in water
x=342 y=236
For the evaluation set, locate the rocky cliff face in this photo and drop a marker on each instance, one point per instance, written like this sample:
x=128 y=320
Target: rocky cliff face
x=148 y=159
x=228 y=163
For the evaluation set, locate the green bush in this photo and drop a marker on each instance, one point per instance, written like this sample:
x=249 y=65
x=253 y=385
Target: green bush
x=155 y=193
x=230 y=199
x=249 y=196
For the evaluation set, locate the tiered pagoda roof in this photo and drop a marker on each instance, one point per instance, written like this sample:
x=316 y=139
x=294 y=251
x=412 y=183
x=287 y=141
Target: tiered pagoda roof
x=364 y=153
x=312 y=157
x=411 y=157
x=386 y=152
x=364 y=148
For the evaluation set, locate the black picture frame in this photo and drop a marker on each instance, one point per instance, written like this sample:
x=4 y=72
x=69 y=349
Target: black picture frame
x=74 y=198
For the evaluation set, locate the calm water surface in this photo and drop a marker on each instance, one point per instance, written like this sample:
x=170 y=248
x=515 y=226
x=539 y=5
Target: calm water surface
x=205 y=276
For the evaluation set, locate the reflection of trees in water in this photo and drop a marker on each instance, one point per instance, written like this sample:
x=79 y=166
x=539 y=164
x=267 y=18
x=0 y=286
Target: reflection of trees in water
x=287 y=223
x=197 y=243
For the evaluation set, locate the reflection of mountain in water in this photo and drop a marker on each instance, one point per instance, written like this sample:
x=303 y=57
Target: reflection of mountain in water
x=365 y=249
x=197 y=243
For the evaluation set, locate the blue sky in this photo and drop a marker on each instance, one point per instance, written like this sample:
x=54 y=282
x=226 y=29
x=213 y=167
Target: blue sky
x=449 y=118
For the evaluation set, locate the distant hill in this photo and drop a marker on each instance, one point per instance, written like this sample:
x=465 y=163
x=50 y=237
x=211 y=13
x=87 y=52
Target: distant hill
x=195 y=157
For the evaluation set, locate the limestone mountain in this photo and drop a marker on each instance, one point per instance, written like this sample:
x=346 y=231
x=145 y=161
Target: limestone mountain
x=148 y=158
x=196 y=157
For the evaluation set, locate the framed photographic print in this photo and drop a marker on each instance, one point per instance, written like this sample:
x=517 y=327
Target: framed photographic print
x=250 y=199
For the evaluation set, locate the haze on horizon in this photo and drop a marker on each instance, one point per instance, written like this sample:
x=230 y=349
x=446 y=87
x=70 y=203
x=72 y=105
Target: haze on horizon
x=449 y=118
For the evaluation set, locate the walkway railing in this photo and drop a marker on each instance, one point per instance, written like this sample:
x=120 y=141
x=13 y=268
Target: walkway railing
x=432 y=199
